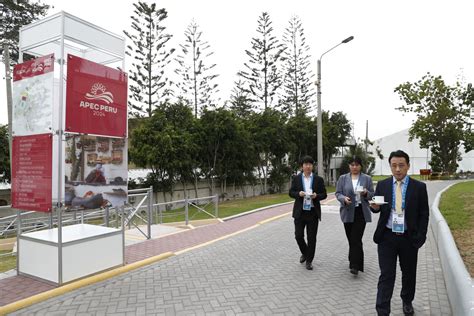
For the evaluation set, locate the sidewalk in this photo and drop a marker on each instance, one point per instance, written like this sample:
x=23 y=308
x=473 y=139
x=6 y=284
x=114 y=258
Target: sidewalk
x=16 y=288
x=255 y=272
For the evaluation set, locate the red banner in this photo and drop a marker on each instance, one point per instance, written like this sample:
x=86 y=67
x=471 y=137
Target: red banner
x=96 y=99
x=34 y=67
x=32 y=172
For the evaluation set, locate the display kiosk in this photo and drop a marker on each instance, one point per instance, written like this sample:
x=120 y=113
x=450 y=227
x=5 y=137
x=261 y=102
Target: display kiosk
x=62 y=253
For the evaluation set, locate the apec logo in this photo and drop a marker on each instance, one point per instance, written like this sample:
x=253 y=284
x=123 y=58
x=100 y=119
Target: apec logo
x=99 y=92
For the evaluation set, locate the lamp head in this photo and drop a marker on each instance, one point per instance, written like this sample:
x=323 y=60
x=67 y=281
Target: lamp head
x=347 y=40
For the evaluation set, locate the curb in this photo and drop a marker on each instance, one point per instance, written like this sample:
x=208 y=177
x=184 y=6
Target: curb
x=81 y=283
x=255 y=210
x=459 y=284
x=261 y=209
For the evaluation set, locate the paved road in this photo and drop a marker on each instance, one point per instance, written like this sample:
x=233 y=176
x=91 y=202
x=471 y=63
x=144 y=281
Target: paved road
x=257 y=273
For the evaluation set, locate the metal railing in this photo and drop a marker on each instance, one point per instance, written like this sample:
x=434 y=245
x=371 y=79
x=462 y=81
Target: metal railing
x=34 y=221
x=143 y=212
x=132 y=212
x=188 y=203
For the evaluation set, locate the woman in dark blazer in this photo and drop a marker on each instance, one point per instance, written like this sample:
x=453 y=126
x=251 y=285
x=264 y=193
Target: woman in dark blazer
x=353 y=191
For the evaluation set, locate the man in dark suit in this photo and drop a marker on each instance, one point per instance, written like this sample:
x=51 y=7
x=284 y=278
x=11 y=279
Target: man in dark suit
x=307 y=189
x=401 y=231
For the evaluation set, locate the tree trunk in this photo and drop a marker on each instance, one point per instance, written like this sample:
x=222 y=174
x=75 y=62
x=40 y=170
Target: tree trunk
x=196 y=185
x=260 y=171
x=150 y=83
x=265 y=173
x=195 y=80
x=185 y=190
x=244 y=192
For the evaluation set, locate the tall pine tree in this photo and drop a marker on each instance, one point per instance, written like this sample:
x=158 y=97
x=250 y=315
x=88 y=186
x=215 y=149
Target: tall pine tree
x=14 y=14
x=240 y=101
x=196 y=84
x=261 y=73
x=149 y=86
x=298 y=95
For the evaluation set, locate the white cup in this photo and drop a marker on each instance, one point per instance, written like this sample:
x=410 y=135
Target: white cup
x=359 y=188
x=378 y=199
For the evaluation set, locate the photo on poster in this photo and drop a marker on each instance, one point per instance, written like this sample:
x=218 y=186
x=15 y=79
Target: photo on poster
x=96 y=172
x=32 y=96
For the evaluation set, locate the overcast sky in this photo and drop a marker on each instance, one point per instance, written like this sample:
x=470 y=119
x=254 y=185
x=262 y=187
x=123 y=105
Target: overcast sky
x=395 y=42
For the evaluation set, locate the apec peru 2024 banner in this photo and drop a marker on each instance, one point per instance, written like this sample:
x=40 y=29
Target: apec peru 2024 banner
x=96 y=99
x=33 y=83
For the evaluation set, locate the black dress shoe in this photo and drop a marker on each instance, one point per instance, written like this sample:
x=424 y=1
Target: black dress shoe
x=302 y=258
x=408 y=309
x=309 y=266
x=354 y=271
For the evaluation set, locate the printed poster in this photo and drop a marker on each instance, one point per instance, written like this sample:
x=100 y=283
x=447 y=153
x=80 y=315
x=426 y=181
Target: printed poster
x=33 y=83
x=96 y=172
x=32 y=172
x=96 y=99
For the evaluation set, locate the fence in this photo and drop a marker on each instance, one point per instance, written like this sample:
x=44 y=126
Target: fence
x=142 y=212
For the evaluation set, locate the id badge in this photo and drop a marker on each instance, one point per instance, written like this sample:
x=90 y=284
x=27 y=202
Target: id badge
x=398 y=222
x=307 y=203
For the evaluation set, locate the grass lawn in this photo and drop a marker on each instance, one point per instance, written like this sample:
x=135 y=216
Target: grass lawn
x=231 y=207
x=458 y=210
x=7 y=262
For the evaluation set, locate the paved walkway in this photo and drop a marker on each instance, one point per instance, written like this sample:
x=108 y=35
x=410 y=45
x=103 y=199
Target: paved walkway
x=253 y=273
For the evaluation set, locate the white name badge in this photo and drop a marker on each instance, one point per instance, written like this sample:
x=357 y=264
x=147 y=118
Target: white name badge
x=398 y=222
x=307 y=202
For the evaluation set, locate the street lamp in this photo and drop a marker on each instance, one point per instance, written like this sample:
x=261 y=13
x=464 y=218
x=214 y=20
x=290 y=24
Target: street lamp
x=320 y=120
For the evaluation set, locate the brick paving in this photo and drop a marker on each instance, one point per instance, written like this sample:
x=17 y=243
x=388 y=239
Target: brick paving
x=253 y=273
x=19 y=287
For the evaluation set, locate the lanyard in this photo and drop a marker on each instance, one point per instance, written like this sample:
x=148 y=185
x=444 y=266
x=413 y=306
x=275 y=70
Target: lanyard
x=310 y=182
x=358 y=181
x=404 y=191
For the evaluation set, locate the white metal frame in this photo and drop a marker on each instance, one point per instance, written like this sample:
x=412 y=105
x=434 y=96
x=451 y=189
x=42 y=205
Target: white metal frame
x=63 y=34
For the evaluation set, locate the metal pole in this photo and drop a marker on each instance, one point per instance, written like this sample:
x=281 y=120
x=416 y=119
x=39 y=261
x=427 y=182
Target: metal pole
x=60 y=245
x=186 y=210
x=320 y=120
x=18 y=233
x=107 y=216
x=60 y=155
x=116 y=216
x=8 y=81
x=161 y=214
x=216 y=208
x=149 y=211
x=51 y=220
x=319 y=125
x=123 y=233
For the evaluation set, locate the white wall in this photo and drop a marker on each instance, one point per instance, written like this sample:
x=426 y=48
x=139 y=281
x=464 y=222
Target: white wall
x=419 y=158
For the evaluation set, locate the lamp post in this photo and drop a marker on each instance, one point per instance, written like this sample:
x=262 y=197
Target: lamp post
x=320 y=120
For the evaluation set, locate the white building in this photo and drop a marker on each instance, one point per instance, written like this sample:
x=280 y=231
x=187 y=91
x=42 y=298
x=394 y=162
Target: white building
x=419 y=158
